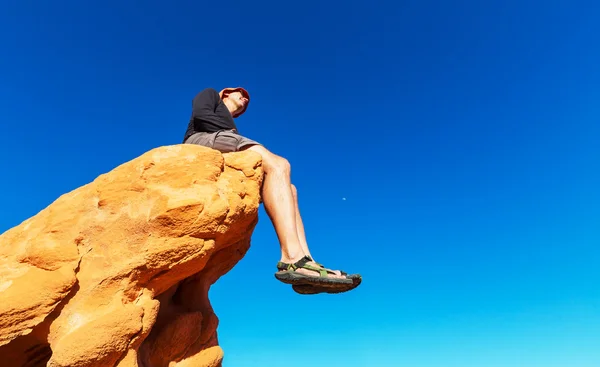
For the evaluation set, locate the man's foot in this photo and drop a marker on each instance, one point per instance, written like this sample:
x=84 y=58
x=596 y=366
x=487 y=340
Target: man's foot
x=312 y=268
x=315 y=289
x=307 y=272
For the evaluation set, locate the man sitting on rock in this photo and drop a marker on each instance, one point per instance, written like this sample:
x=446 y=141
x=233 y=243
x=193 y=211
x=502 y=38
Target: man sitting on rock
x=212 y=125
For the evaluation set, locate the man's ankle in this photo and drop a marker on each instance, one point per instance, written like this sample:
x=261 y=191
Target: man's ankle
x=292 y=258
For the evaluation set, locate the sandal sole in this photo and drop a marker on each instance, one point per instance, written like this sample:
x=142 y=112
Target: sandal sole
x=316 y=289
x=298 y=279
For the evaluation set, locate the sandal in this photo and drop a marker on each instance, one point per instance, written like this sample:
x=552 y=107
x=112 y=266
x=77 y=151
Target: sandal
x=287 y=274
x=315 y=289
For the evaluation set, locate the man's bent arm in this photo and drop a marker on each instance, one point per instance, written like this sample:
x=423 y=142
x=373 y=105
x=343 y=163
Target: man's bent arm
x=205 y=103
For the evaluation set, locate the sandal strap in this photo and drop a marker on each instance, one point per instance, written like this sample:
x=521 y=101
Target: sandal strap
x=321 y=265
x=303 y=263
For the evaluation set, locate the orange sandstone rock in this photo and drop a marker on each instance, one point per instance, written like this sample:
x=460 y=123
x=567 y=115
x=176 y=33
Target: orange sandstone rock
x=117 y=272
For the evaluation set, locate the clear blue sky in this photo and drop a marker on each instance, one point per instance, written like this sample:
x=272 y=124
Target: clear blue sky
x=463 y=136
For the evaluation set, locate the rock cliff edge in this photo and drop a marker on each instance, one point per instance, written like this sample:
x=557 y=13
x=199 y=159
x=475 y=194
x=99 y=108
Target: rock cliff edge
x=117 y=272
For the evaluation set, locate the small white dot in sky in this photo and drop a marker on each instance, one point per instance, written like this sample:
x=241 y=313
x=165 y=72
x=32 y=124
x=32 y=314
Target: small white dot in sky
x=343 y=198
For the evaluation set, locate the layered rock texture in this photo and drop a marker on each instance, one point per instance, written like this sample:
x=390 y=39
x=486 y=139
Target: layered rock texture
x=117 y=272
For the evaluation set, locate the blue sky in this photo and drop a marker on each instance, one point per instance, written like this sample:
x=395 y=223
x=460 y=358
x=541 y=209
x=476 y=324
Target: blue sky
x=463 y=136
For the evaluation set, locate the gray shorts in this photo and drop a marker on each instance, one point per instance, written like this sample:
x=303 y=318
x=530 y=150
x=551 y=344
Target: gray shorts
x=225 y=141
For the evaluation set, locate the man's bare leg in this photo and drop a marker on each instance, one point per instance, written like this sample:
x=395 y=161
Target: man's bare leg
x=299 y=224
x=280 y=203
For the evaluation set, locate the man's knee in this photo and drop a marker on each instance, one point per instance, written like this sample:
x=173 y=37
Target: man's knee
x=272 y=162
x=283 y=165
x=277 y=164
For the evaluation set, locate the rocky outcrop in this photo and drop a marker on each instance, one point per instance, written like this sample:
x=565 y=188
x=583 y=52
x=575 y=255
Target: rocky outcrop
x=117 y=272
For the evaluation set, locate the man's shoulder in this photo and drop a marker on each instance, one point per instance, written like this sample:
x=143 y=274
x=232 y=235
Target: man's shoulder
x=207 y=96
